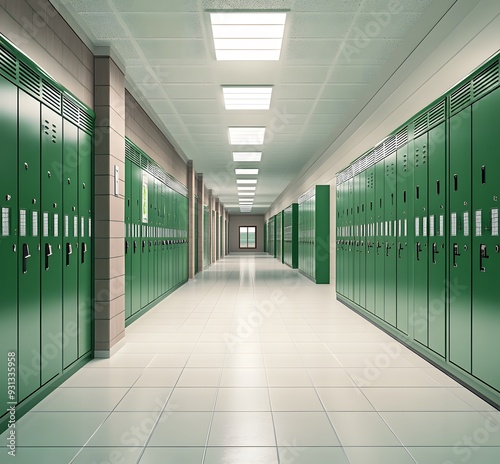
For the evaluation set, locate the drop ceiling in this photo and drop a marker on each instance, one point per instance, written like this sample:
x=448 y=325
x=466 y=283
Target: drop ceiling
x=333 y=51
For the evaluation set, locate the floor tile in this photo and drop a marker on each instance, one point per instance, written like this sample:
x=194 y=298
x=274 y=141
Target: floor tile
x=158 y=377
x=192 y=399
x=115 y=377
x=344 y=399
x=108 y=455
x=243 y=377
x=304 y=429
x=243 y=399
x=199 y=377
x=242 y=429
x=330 y=377
x=38 y=455
x=181 y=429
x=169 y=360
x=122 y=360
x=379 y=455
x=172 y=456
x=398 y=377
x=234 y=455
x=469 y=454
x=144 y=399
x=291 y=454
x=294 y=399
x=288 y=377
x=206 y=360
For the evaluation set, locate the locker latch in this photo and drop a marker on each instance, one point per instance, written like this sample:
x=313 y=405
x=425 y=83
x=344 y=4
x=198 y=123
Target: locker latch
x=378 y=247
x=419 y=250
x=127 y=246
x=84 y=250
x=26 y=255
x=400 y=248
x=455 y=254
x=135 y=246
x=143 y=245
x=483 y=255
x=48 y=252
x=387 y=248
x=69 y=251
x=434 y=252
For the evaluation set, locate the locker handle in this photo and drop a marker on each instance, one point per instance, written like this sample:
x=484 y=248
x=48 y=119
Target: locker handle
x=400 y=248
x=69 y=251
x=387 y=248
x=143 y=245
x=135 y=246
x=419 y=250
x=455 y=181
x=455 y=254
x=127 y=246
x=84 y=250
x=48 y=252
x=26 y=255
x=483 y=174
x=483 y=254
x=434 y=252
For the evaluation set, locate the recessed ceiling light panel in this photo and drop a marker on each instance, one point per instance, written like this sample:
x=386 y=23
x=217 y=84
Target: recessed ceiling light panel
x=245 y=172
x=248 y=189
x=239 y=156
x=247 y=98
x=246 y=181
x=246 y=135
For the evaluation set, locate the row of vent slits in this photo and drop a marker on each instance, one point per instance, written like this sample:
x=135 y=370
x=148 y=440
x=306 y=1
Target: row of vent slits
x=31 y=82
x=484 y=82
x=142 y=160
x=306 y=196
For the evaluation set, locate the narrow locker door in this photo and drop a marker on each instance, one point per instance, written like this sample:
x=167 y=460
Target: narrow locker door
x=356 y=239
x=437 y=252
x=52 y=256
x=136 y=245
x=350 y=248
x=362 y=239
x=390 y=249
x=29 y=246
x=152 y=239
x=128 y=238
x=339 y=258
x=370 y=239
x=460 y=241
x=8 y=238
x=70 y=243
x=144 y=248
x=420 y=248
x=85 y=251
x=486 y=240
x=380 y=233
x=404 y=189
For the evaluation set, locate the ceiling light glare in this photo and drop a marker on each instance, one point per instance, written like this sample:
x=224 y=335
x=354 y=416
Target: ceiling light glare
x=245 y=172
x=248 y=36
x=249 y=189
x=247 y=98
x=243 y=156
x=246 y=181
x=243 y=194
x=246 y=135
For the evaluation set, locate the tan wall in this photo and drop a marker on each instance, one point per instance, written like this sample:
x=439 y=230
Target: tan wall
x=234 y=230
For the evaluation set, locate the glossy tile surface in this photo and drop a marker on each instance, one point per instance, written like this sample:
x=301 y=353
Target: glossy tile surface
x=253 y=363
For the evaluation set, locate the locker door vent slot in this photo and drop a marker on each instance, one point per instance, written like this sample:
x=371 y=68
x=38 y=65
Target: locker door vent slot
x=8 y=67
x=390 y=146
x=429 y=119
x=86 y=122
x=402 y=137
x=51 y=97
x=29 y=80
x=379 y=153
x=70 y=111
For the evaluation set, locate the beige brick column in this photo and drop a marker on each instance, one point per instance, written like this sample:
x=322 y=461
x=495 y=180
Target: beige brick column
x=201 y=218
x=109 y=207
x=191 y=219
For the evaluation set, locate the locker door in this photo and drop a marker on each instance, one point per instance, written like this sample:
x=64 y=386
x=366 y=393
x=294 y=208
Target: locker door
x=404 y=190
x=29 y=245
x=350 y=249
x=70 y=243
x=52 y=256
x=437 y=252
x=128 y=238
x=460 y=242
x=163 y=248
x=420 y=248
x=152 y=239
x=356 y=240
x=8 y=238
x=136 y=245
x=339 y=258
x=144 y=240
x=370 y=239
x=362 y=239
x=390 y=251
x=85 y=252
x=485 y=242
x=380 y=225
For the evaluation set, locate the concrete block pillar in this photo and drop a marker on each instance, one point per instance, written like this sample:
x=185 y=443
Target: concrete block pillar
x=109 y=207
x=201 y=218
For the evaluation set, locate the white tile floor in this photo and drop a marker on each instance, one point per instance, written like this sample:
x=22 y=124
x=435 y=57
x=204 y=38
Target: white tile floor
x=253 y=363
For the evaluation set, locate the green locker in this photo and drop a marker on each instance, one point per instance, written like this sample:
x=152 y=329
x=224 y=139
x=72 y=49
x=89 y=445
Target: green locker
x=51 y=281
x=485 y=241
x=8 y=240
x=390 y=232
x=356 y=211
x=370 y=238
x=339 y=258
x=145 y=247
x=136 y=245
x=362 y=238
x=460 y=243
x=151 y=238
x=420 y=247
x=404 y=189
x=437 y=233
x=70 y=243
x=196 y=229
x=29 y=245
x=85 y=246
x=380 y=234
x=349 y=269
x=128 y=239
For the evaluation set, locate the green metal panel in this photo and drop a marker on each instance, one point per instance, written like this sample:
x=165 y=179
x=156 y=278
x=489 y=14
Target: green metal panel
x=28 y=170
x=85 y=246
x=70 y=243
x=485 y=242
x=362 y=238
x=339 y=255
x=390 y=232
x=356 y=211
x=151 y=238
x=321 y=214
x=460 y=241
x=145 y=247
x=404 y=189
x=206 y=235
x=295 y=235
x=349 y=268
x=380 y=240
x=371 y=239
x=8 y=238
x=51 y=294
x=420 y=247
x=128 y=239
x=136 y=245
x=196 y=229
x=437 y=234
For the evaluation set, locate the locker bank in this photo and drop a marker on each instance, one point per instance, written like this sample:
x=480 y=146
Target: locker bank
x=249 y=231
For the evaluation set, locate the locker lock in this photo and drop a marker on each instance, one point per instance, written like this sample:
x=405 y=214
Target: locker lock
x=8 y=197
x=26 y=166
x=55 y=205
x=33 y=201
x=497 y=249
x=49 y=174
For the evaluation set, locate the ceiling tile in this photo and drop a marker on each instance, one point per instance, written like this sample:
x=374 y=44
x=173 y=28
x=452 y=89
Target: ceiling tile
x=321 y=25
x=187 y=50
x=164 y=25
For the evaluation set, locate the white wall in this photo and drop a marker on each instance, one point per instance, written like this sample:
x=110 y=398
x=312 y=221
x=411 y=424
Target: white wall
x=467 y=35
x=234 y=231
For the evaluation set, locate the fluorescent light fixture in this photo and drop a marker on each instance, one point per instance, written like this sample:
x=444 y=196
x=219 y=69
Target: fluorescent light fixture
x=245 y=172
x=246 y=181
x=248 y=189
x=247 y=98
x=246 y=135
x=247 y=156
x=248 y=194
x=248 y=36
